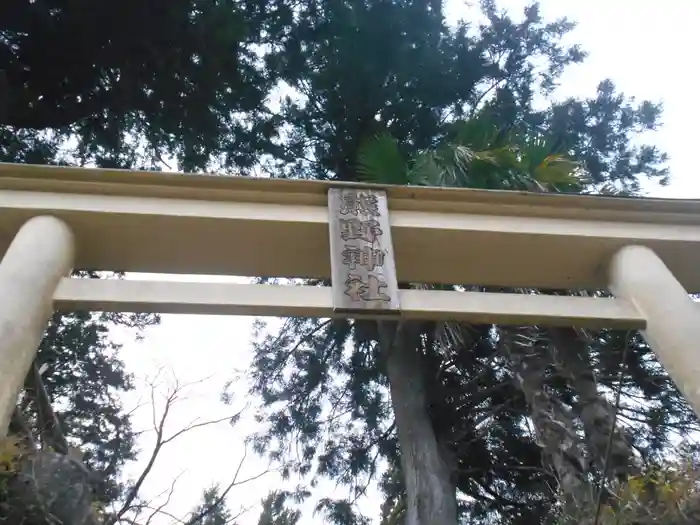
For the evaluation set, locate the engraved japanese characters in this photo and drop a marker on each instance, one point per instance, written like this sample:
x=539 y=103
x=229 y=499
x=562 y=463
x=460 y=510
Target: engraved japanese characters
x=362 y=258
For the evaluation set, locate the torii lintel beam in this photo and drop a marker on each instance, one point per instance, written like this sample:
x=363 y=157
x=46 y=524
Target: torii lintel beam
x=201 y=224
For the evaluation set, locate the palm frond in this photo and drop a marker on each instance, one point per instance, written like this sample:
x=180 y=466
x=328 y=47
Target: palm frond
x=380 y=161
x=477 y=155
x=556 y=169
x=424 y=170
x=479 y=133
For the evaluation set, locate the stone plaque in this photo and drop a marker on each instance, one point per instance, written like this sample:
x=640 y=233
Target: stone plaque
x=362 y=256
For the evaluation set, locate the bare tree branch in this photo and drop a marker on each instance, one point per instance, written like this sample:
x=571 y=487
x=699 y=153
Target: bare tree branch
x=196 y=519
x=174 y=396
x=193 y=426
x=160 y=508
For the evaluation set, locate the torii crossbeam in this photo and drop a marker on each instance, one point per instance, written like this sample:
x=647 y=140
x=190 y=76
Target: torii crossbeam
x=52 y=219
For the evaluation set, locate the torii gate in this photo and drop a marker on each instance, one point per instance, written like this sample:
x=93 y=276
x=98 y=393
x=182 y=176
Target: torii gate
x=52 y=219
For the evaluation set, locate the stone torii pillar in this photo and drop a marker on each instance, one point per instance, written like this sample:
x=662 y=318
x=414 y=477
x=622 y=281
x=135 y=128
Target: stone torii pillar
x=39 y=256
x=673 y=322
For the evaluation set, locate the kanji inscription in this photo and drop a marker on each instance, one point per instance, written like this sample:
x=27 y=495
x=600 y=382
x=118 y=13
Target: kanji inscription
x=371 y=289
x=362 y=256
x=353 y=229
x=359 y=202
x=367 y=256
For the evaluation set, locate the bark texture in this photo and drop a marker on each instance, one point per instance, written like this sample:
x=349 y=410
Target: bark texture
x=554 y=423
x=430 y=494
x=572 y=359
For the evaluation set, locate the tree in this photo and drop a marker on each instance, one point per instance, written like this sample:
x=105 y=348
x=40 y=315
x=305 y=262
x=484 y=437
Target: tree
x=479 y=153
x=274 y=511
x=88 y=437
x=43 y=483
x=77 y=371
x=119 y=85
x=396 y=69
x=188 y=81
x=133 y=81
x=212 y=510
x=666 y=492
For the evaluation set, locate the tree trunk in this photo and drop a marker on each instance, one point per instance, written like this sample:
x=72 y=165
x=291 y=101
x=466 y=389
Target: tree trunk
x=553 y=422
x=430 y=494
x=572 y=358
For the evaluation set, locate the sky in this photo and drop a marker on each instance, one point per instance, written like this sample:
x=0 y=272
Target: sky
x=644 y=46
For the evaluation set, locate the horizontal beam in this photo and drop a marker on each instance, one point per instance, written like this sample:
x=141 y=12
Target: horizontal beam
x=136 y=183
x=159 y=235
x=155 y=222
x=309 y=301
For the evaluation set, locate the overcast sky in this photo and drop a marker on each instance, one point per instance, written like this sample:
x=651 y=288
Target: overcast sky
x=646 y=46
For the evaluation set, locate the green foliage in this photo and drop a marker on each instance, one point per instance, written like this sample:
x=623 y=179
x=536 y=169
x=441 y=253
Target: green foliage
x=11 y=450
x=134 y=81
x=340 y=512
x=84 y=379
x=666 y=492
x=275 y=512
x=212 y=510
x=380 y=160
x=476 y=154
x=389 y=93
x=384 y=90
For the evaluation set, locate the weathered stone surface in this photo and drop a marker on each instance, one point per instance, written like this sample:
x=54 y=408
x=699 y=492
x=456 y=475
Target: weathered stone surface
x=49 y=488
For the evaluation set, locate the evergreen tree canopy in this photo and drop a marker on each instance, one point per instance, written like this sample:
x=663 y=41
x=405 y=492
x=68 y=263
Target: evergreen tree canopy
x=212 y=510
x=84 y=378
x=134 y=81
x=379 y=88
x=275 y=512
x=121 y=85
x=396 y=73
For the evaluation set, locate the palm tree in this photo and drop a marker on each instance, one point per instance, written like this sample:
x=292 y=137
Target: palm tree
x=476 y=154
